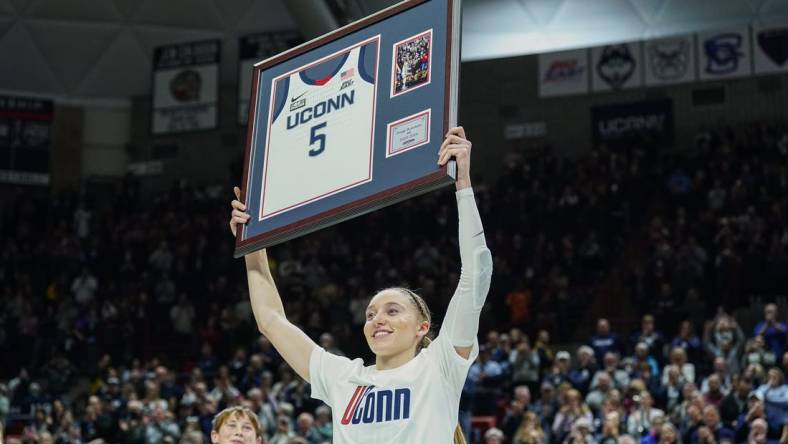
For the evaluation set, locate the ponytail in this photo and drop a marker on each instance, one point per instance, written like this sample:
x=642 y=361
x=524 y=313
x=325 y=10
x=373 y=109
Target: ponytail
x=459 y=438
x=425 y=342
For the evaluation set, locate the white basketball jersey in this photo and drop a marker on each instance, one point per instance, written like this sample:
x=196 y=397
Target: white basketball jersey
x=320 y=137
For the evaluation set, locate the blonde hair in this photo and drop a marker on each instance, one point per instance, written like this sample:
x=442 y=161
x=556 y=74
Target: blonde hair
x=421 y=307
x=526 y=429
x=426 y=340
x=229 y=412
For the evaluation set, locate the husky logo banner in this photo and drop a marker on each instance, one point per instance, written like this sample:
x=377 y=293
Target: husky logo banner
x=724 y=54
x=616 y=67
x=670 y=60
x=771 y=49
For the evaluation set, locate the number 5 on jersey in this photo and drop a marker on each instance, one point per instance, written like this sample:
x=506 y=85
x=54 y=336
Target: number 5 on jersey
x=315 y=137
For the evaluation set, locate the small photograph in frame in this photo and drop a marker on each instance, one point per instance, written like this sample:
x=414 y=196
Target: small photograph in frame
x=412 y=63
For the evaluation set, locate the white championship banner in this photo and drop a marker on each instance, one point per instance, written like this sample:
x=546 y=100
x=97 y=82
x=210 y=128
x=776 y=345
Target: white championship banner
x=724 y=54
x=669 y=60
x=770 y=48
x=616 y=67
x=252 y=49
x=563 y=73
x=185 y=87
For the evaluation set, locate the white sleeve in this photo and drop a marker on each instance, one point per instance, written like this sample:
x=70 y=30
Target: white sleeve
x=325 y=367
x=453 y=367
x=461 y=324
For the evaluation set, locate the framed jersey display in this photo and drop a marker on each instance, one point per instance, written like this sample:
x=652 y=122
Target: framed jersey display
x=350 y=122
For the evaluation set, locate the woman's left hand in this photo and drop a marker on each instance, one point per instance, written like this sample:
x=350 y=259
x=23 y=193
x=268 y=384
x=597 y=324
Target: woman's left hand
x=457 y=146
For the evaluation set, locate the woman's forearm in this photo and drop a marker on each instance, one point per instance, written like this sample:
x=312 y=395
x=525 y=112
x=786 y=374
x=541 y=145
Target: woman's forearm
x=263 y=294
x=462 y=316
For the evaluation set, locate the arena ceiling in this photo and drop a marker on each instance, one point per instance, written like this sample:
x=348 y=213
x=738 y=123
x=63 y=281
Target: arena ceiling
x=91 y=49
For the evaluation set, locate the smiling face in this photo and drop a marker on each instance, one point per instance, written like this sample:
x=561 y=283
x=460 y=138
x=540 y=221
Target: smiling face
x=235 y=427
x=394 y=324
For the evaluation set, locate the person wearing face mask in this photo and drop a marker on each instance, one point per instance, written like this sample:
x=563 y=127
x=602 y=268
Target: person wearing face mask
x=755 y=352
x=723 y=338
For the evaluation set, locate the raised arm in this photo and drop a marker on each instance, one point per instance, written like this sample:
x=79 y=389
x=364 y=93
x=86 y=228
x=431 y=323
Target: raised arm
x=269 y=313
x=461 y=323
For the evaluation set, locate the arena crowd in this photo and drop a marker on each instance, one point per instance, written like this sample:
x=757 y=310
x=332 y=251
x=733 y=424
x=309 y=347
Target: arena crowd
x=126 y=320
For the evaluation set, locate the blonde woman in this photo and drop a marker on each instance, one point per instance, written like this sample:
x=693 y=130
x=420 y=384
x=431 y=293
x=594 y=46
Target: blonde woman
x=412 y=392
x=530 y=430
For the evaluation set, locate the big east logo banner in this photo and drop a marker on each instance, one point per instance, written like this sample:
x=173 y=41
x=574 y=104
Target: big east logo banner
x=563 y=73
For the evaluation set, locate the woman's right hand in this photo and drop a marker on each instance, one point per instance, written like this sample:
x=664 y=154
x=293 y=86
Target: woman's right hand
x=239 y=216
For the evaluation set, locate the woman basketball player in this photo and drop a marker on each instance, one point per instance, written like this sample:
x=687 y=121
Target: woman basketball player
x=412 y=393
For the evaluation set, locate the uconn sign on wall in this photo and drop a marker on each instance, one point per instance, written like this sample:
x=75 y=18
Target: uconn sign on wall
x=367 y=406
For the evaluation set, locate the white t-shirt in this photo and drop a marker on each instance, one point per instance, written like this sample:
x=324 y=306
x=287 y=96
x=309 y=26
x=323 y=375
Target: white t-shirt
x=415 y=403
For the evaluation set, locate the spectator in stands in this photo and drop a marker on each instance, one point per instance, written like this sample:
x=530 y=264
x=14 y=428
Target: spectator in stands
x=583 y=370
x=559 y=373
x=283 y=432
x=84 y=287
x=773 y=331
x=524 y=364
x=611 y=428
x=758 y=432
x=582 y=432
x=775 y=398
x=668 y=434
x=689 y=341
x=322 y=431
x=542 y=346
x=529 y=430
x=619 y=376
x=678 y=359
x=650 y=337
x=571 y=410
x=713 y=394
x=723 y=338
x=487 y=375
x=520 y=403
x=640 y=420
x=755 y=352
x=754 y=410
x=672 y=388
x=736 y=402
x=643 y=358
x=712 y=430
x=605 y=341
x=547 y=406
x=493 y=436
x=600 y=393
x=720 y=369
x=236 y=425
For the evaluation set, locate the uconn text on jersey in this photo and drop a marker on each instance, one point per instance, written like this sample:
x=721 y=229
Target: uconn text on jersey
x=367 y=406
x=321 y=109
